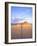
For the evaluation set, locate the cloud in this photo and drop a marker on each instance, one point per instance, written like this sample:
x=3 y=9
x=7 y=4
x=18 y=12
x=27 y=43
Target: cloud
x=29 y=20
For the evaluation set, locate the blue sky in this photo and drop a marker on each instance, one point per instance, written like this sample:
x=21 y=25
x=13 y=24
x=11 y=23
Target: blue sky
x=20 y=14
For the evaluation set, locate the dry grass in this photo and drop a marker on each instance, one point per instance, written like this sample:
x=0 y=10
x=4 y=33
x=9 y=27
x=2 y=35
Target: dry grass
x=18 y=33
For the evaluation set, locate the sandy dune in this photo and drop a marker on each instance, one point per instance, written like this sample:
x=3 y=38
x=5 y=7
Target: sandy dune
x=21 y=31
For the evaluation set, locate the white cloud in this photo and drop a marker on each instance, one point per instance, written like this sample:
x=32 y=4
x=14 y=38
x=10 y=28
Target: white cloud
x=29 y=20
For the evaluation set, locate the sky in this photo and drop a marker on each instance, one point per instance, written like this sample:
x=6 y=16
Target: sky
x=21 y=14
